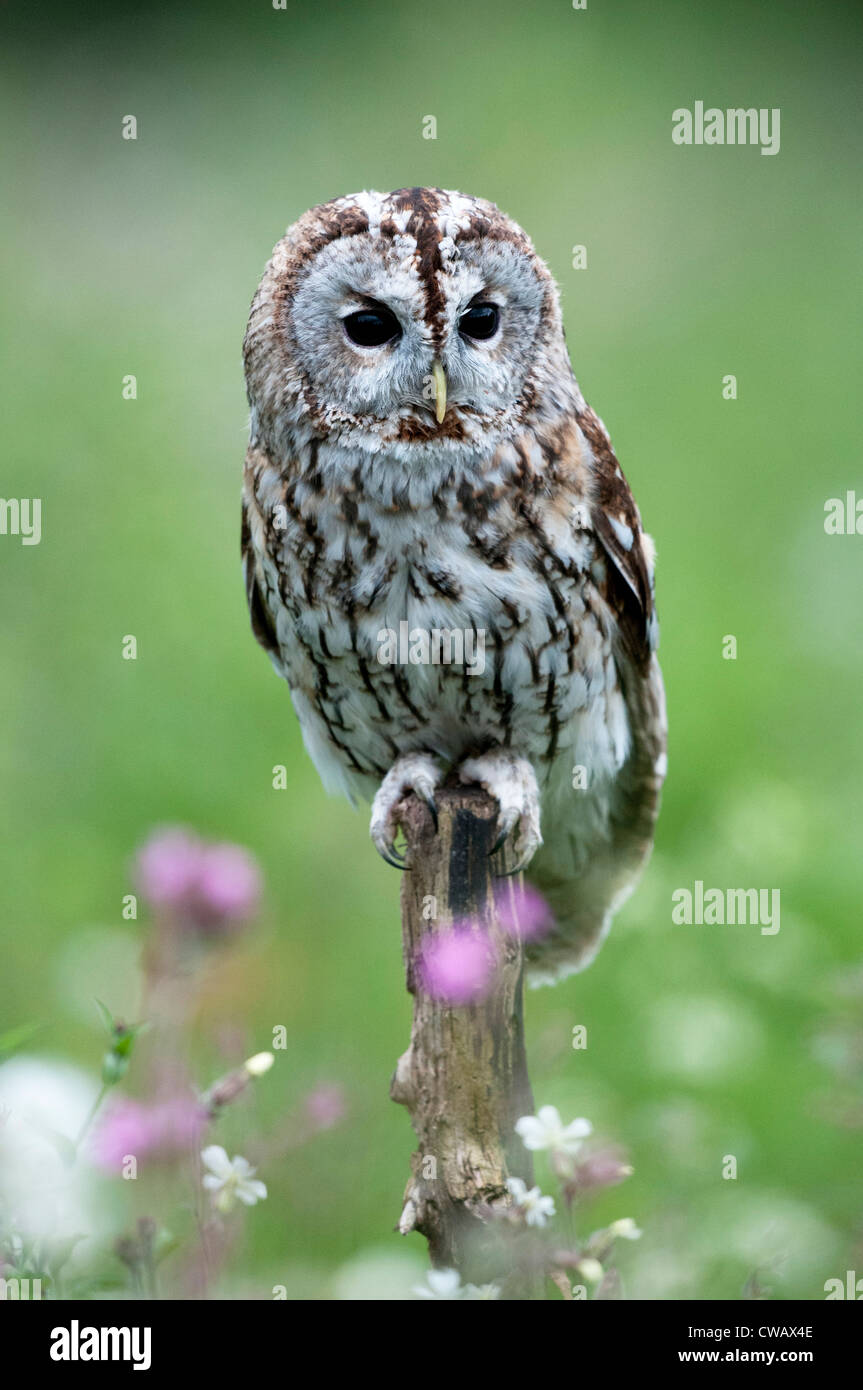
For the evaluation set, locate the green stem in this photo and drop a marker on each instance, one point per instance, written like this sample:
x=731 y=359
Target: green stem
x=92 y=1115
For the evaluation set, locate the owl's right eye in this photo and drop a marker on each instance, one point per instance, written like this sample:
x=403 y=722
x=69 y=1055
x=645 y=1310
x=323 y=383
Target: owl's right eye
x=371 y=327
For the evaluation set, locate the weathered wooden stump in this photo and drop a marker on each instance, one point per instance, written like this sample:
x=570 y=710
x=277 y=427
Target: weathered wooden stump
x=464 y=1077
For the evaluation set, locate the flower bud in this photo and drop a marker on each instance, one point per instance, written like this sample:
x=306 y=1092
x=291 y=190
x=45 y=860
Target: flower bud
x=259 y=1064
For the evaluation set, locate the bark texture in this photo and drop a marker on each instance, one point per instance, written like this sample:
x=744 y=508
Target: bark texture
x=464 y=1077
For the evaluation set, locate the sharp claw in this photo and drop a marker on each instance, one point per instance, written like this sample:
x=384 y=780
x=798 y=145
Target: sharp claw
x=391 y=856
x=388 y=852
x=417 y=773
x=508 y=873
x=499 y=843
x=523 y=861
x=511 y=782
x=506 y=828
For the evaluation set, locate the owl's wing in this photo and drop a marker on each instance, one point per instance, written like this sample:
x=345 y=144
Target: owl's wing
x=616 y=523
x=595 y=847
x=262 y=621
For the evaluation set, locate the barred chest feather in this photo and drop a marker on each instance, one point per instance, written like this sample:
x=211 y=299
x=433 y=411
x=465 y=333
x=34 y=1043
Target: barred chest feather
x=374 y=575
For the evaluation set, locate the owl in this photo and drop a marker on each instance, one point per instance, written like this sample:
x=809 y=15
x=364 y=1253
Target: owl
x=442 y=556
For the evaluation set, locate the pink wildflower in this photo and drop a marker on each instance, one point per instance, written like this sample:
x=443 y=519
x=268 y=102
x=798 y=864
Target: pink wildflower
x=457 y=966
x=159 y=1130
x=523 y=912
x=211 y=887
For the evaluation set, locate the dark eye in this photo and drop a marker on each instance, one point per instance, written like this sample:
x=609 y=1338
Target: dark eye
x=371 y=327
x=480 y=321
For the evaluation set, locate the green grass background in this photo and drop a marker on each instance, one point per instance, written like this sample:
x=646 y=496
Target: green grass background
x=142 y=258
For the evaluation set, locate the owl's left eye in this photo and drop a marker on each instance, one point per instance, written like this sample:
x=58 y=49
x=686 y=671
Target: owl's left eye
x=480 y=321
x=371 y=327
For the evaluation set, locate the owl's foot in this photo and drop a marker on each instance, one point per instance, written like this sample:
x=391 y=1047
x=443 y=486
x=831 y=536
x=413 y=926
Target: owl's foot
x=512 y=783
x=415 y=772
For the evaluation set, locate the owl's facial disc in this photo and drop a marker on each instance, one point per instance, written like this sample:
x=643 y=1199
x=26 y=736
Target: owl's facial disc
x=360 y=336
x=418 y=328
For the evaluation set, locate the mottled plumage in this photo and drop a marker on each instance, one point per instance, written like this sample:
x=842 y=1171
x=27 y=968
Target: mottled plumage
x=508 y=516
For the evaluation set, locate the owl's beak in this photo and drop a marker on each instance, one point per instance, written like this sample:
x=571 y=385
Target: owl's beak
x=439 y=383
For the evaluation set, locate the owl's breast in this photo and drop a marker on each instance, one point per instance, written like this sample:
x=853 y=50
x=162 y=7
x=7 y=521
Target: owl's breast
x=441 y=631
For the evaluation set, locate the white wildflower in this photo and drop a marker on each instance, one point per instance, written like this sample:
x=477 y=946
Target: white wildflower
x=537 y=1209
x=44 y=1103
x=625 y=1228
x=441 y=1284
x=546 y=1130
x=230 y=1180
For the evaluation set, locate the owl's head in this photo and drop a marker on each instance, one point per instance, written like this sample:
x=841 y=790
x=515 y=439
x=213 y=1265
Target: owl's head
x=420 y=317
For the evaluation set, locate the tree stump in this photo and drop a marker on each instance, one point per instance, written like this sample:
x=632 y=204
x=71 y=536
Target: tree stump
x=464 y=1076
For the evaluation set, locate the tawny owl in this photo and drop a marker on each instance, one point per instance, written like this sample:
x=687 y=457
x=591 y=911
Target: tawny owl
x=442 y=555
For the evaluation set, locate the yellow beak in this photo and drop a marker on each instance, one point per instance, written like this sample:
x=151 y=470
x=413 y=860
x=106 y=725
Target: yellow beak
x=439 y=383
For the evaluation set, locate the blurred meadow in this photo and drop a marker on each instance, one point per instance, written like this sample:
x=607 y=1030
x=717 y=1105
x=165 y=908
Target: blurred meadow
x=141 y=257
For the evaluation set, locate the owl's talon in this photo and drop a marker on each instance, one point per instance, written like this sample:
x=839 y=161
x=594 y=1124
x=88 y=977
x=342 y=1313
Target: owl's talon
x=415 y=772
x=523 y=861
x=392 y=857
x=498 y=844
x=505 y=829
x=512 y=782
